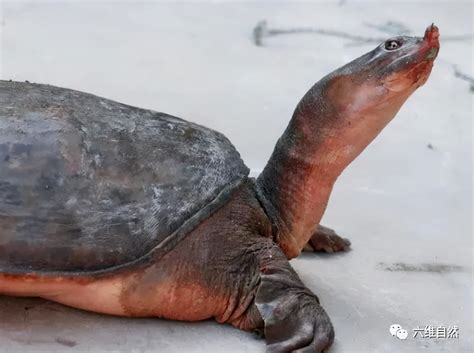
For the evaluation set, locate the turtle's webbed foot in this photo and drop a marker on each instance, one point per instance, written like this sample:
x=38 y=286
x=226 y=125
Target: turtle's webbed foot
x=326 y=240
x=294 y=319
x=299 y=324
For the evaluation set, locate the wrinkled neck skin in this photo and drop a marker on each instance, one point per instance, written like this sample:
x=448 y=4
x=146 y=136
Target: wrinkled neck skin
x=330 y=127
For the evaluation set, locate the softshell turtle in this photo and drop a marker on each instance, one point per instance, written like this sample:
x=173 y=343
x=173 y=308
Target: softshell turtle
x=126 y=211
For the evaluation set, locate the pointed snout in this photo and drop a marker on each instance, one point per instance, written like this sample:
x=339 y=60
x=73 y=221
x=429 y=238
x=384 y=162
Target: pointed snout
x=431 y=42
x=432 y=34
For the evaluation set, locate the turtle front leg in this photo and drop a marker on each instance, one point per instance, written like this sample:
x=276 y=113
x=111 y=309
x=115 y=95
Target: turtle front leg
x=293 y=317
x=325 y=239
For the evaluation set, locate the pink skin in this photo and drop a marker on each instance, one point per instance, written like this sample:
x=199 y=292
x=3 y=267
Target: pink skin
x=332 y=125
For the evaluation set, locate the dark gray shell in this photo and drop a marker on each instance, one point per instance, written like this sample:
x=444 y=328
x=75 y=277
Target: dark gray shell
x=88 y=184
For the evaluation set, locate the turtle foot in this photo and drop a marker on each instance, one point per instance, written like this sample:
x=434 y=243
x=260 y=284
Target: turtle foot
x=301 y=325
x=326 y=240
x=294 y=319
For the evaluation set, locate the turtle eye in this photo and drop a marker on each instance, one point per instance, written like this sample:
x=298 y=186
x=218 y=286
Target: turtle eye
x=392 y=44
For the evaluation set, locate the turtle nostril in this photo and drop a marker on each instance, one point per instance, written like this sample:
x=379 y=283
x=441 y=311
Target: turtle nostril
x=431 y=33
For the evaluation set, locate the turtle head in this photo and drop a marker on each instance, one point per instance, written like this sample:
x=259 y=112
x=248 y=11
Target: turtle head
x=386 y=76
x=406 y=62
x=348 y=108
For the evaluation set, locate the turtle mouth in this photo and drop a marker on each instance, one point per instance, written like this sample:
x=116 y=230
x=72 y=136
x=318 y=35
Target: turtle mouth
x=409 y=78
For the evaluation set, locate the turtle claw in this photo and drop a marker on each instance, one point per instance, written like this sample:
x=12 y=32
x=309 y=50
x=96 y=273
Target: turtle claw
x=326 y=240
